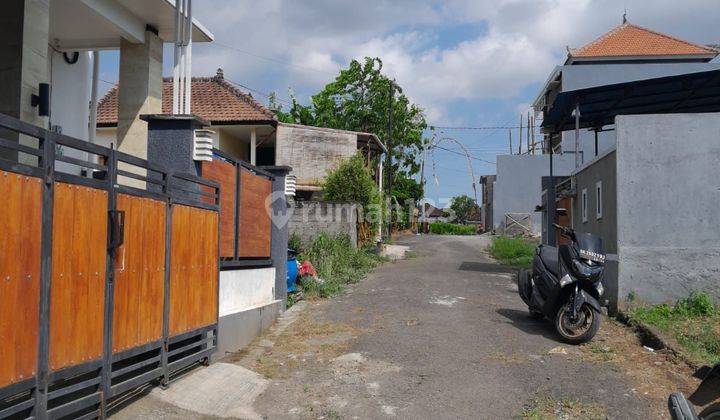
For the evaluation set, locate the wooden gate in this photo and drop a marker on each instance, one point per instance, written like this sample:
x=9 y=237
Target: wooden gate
x=20 y=225
x=245 y=221
x=102 y=289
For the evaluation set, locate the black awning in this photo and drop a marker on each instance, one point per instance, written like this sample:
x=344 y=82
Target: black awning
x=685 y=93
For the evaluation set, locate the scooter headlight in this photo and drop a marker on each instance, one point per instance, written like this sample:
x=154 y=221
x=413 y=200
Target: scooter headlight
x=600 y=288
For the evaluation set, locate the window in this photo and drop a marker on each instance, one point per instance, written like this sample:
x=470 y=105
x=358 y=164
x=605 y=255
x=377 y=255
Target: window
x=584 y=204
x=598 y=200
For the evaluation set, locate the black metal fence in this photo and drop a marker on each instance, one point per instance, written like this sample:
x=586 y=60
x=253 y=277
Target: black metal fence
x=86 y=386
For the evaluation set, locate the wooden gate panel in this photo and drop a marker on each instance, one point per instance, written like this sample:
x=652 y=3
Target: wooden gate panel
x=77 y=293
x=224 y=173
x=255 y=221
x=193 y=269
x=20 y=237
x=139 y=273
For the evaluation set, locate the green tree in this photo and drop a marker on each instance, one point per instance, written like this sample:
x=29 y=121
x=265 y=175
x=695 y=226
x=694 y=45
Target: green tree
x=358 y=100
x=296 y=114
x=351 y=181
x=462 y=206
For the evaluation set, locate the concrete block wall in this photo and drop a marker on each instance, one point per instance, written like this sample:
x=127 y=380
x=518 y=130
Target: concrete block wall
x=309 y=218
x=312 y=151
x=668 y=190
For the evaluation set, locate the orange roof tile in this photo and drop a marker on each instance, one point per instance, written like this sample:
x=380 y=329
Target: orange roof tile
x=628 y=40
x=213 y=99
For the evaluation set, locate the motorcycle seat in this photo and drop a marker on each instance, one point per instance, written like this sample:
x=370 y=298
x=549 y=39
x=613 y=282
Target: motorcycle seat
x=549 y=257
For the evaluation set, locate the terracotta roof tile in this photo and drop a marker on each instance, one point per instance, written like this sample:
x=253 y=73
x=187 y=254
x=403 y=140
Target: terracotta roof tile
x=213 y=99
x=631 y=40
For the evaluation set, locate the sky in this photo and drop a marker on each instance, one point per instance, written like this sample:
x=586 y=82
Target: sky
x=467 y=63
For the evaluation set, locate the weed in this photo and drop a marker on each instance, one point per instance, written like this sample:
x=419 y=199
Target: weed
x=410 y=255
x=516 y=252
x=693 y=321
x=603 y=352
x=440 y=228
x=295 y=242
x=566 y=408
x=338 y=263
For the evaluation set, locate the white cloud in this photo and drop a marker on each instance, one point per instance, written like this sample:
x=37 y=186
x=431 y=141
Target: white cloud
x=520 y=42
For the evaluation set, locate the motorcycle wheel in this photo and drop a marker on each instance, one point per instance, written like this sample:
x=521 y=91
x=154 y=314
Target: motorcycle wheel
x=711 y=413
x=580 y=331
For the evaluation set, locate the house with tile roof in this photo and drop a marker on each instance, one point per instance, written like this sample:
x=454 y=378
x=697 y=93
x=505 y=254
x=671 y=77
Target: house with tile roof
x=245 y=129
x=626 y=53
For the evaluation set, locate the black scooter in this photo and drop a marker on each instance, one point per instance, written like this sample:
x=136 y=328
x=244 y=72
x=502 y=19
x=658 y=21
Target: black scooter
x=566 y=285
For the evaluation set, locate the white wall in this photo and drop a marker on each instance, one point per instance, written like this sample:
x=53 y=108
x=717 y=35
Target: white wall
x=241 y=290
x=668 y=191
x=70 y=101
x=518 y=187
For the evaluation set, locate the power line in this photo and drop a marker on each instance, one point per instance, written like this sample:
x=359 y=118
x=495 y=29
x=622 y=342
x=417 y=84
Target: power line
x=259 y=92
x=274 y=60
x=463 y=154
x=497 y=127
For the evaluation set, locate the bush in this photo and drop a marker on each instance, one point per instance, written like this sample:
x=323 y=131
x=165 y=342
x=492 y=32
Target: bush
x=337 y=262
x=693 y=321
x=294 y=242
x=517 y=252
x=440 y=228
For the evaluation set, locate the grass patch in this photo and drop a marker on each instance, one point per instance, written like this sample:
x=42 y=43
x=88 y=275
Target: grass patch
x=337 y=262
x=516 y=252
x=603 y=353
x=440 y=228
x=694 y=322
x=565 y=408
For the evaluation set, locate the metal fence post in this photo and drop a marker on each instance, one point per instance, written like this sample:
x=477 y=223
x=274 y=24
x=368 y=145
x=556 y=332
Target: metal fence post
x=166 y=290
x=106 y=374
x=47 y=164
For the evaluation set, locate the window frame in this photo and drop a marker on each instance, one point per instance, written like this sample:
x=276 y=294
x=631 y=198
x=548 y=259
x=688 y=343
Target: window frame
x=584 y=205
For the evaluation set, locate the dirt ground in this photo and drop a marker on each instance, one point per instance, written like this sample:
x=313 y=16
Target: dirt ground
x=441 y=335
x=422 y=338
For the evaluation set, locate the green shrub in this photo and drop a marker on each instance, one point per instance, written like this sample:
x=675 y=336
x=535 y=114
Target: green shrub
x=440 y=228
x=337 y=262
x=693 y=321
x=294 y=242
x=517 y=252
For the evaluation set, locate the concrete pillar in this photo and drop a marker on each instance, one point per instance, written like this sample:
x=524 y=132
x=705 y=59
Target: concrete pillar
x=24 y=27
x=253 y=146
x=279 y=234
x=140 y=92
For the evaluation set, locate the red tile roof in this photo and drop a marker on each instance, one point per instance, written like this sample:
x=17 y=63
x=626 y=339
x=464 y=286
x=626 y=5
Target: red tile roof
x=628 y=40
x=213 y=99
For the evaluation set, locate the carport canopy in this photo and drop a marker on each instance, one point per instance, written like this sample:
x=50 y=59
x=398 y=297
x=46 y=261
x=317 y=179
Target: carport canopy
x=686 y=93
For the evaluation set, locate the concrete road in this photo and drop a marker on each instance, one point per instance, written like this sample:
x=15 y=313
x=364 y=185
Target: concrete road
x=445 y=335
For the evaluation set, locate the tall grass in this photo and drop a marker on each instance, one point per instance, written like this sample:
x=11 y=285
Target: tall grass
x=441 y=228
x=337 y=262
x=516 y=252
x=693 y=321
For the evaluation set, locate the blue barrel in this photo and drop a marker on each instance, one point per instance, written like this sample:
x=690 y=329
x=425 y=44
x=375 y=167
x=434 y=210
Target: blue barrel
x=292 y=272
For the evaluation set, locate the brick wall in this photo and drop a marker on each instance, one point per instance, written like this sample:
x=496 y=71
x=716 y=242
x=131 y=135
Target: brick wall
x=312 y=217
x=312 y=151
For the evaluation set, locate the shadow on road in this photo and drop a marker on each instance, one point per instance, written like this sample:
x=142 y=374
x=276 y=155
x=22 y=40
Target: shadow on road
x=525 y=323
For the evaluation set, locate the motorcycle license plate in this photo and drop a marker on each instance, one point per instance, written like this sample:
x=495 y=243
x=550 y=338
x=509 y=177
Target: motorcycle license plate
x=592 y=256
